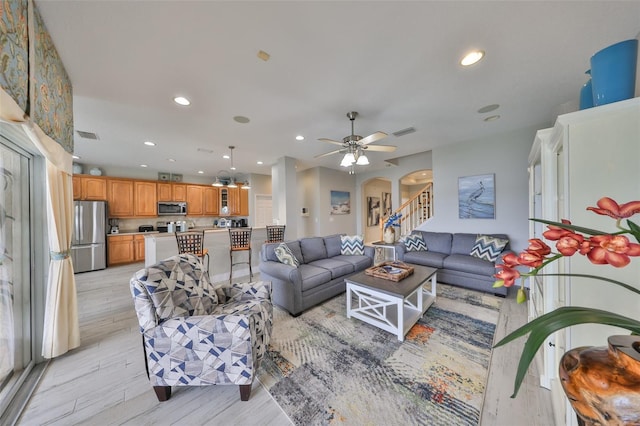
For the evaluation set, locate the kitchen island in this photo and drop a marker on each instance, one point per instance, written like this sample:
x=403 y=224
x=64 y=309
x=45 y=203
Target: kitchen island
x=159 y=246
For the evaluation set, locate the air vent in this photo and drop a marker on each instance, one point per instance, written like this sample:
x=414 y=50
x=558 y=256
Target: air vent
x=87 y=135
x=208 y=151
x=404 y=131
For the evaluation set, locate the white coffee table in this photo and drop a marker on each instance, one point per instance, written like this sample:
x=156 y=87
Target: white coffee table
x=391 y=306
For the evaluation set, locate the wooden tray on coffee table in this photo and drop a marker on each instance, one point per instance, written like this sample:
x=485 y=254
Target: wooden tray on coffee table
x=391 y=270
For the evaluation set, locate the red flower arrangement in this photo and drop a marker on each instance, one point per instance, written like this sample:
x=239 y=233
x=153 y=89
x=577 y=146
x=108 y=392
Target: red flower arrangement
x=601 y=248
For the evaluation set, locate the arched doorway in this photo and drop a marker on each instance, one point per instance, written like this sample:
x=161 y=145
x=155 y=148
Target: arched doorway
x=413 y=182
x=376 y=199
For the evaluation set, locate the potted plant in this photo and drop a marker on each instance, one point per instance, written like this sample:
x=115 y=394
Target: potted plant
x=600 y=248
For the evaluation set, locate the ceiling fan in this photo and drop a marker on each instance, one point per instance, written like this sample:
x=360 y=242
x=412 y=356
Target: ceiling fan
x=354 y=146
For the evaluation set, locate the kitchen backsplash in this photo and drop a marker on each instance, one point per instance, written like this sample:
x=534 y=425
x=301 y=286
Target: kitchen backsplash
x=131 y=225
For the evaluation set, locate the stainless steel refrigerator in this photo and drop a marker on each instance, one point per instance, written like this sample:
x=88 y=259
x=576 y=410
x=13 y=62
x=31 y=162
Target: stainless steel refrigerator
x=88 y=247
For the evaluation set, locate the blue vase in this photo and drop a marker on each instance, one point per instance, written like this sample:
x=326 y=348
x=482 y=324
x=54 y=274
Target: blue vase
x=586 y=94
x=613 y=72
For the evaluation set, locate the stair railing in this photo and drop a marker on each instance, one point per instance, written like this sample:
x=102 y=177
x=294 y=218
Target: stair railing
x=415 y=211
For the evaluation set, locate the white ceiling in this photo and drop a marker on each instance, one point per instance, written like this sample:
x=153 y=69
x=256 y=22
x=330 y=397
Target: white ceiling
x=394 y=62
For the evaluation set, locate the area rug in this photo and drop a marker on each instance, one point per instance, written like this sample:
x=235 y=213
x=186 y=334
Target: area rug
x=323 y=368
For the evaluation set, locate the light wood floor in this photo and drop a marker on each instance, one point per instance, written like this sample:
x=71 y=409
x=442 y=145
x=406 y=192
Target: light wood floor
x=104 y=382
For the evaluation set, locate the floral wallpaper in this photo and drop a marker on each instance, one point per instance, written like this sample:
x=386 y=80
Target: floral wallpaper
x=50 y=91
x=14 y=50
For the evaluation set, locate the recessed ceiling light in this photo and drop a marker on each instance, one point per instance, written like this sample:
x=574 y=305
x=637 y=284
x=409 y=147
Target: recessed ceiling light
x=263 y=55
x=472 y=58
x=241 y=119
x=299 y=138
x=143 y=165
x=171 y=160
x=226 y=156
x=75 y=157
x=488 y=108
x=232 y=167
x=492 y=118
x=149 y=143
x=260 y=162
x=181 y=100
x=200 y=172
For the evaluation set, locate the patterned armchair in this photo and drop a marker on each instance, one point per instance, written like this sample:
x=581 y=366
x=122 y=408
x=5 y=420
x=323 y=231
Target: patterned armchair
x=194 y=334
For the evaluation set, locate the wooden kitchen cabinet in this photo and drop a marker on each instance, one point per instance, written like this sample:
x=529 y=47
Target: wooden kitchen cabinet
x=120 y=197
x=238 y=202
x=90 y=188
x=211 y=201
x=195 y=205
x=77 y=187
x=164 y=192
x=244 y=203
x=172 y=191
x=233 y=201
x=178 y=192
x=146 y=199
x=120 y=249
x=138 y=248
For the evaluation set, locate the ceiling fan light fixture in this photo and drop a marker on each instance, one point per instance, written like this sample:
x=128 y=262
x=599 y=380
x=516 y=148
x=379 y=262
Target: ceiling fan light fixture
x=348 y=159
x=362 y=160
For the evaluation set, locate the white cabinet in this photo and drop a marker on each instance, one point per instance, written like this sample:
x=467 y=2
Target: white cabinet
x=587 y=155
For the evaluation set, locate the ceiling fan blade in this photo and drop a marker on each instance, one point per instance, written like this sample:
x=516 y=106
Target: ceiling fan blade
x=331 y=141
x=328 y=153
x=372 y=138
x=384 y=148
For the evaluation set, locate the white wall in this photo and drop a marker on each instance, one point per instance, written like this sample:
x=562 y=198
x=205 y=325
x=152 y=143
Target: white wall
x=503 y=155
x=308 y=197
x=314 y=193
x=260 y=185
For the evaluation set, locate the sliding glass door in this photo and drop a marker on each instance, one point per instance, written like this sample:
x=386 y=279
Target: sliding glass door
x=16 y=266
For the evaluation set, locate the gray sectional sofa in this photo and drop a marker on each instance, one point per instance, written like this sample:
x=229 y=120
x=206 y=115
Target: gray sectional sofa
x=319 y=276
x=450 y=253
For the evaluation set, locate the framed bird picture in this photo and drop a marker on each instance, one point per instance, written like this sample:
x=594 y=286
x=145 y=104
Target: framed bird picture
x=477 y=197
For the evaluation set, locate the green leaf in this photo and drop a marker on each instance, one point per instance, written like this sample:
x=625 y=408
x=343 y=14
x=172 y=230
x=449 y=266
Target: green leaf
x=635 y=229
x=499 y=283
x=571 y=227
x=542 y=327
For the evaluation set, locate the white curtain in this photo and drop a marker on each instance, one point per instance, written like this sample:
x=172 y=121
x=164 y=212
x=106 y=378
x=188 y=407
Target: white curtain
x=61 y=327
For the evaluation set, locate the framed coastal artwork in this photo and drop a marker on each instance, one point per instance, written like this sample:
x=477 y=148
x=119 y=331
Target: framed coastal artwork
x=386 y=204
x=373 y=211
x=340 y=202
x=477 y=197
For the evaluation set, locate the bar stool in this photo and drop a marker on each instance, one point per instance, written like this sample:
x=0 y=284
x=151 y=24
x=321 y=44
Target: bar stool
x=192 y=242
x=275 y=233
x=239 y=240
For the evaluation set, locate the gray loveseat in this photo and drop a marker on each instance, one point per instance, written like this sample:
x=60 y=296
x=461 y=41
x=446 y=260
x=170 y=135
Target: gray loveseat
x=450 y=254
x=320 y=275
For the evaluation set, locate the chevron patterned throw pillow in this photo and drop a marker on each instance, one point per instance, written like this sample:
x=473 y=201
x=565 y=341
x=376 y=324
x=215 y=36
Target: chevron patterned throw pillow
x=285 y=255
x=352 y=245
x=414 y=242
x=488 y=248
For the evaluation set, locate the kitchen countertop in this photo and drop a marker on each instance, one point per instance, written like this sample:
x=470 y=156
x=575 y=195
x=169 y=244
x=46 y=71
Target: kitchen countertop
x=197 y=228
x=131 y=233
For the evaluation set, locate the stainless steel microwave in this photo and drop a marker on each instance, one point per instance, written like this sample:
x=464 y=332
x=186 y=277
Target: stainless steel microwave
x=172 y=209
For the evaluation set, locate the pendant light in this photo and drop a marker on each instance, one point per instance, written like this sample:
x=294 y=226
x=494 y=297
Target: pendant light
x=232 y=166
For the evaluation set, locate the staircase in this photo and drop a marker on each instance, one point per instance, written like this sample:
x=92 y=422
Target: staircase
x=415 y=211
